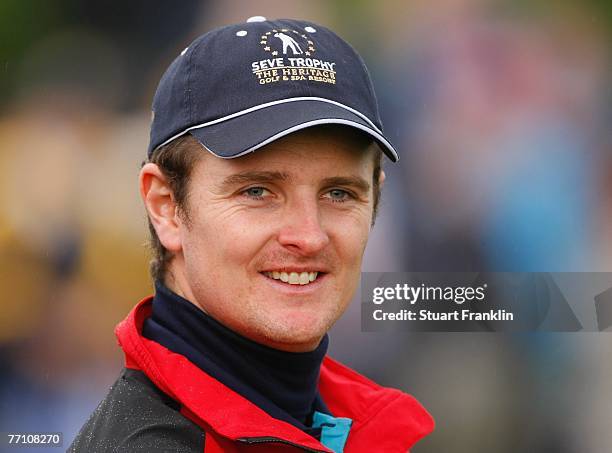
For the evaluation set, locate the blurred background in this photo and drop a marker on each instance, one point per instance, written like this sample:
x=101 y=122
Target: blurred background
x=501 y=111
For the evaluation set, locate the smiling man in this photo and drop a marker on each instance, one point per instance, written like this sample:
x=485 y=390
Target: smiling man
x=261 y=187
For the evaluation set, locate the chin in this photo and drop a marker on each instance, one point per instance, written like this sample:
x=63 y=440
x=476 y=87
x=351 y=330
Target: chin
x=293 y=339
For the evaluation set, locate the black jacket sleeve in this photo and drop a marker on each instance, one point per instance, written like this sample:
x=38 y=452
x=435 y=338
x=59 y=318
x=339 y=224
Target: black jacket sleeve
x=135 y=416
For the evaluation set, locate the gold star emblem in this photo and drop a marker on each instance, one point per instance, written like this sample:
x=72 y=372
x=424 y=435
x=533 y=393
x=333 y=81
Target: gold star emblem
x=307 y=54
x=267 y=48
x=263 y=42
x=311 y=48
x=275 y=53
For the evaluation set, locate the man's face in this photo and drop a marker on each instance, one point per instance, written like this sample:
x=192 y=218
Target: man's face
x=298 y=209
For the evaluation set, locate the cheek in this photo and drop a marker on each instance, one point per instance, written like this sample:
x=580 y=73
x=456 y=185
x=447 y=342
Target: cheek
x=350 y=235
x=220 y=246
x=214 y=260
x=202 y=254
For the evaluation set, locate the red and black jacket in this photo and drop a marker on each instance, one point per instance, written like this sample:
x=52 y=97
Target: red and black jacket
x=163 y=402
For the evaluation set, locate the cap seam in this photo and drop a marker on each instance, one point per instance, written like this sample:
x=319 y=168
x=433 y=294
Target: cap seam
x=188 y=88
x=371 y=88
x=189 y=106
x=370 y=83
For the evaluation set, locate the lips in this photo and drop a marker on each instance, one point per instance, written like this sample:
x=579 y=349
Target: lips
x=293 y=278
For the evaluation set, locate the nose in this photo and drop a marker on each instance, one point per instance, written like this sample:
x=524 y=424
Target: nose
x=301 y=229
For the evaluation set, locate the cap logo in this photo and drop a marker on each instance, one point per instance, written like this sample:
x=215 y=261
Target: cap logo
x=289 y=43
x=292 y=53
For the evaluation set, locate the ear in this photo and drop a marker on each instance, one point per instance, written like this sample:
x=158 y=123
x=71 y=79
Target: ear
x=381 y=178
x=161 y=206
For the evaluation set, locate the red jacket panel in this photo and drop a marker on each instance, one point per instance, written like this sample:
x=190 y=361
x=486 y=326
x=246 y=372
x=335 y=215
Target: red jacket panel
x=384 y=419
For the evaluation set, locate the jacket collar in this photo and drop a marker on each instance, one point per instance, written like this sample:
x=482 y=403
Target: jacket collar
x=386 y=418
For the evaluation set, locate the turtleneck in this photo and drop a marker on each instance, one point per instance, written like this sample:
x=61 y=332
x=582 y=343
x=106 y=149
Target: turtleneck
x=283 y=384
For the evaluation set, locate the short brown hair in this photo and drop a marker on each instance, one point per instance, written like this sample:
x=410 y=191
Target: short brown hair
x=176 y=160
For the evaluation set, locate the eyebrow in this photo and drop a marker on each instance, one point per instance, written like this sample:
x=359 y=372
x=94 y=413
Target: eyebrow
x=352 y=181
x=274 y=176
x=254 y=176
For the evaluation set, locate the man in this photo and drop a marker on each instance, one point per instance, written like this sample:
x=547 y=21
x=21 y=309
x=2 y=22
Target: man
x=261 y=187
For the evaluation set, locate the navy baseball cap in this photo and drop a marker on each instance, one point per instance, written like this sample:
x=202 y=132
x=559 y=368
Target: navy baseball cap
x=240 y=87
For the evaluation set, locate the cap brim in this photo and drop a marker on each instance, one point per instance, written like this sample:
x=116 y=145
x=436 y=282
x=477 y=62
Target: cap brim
x=246 y=133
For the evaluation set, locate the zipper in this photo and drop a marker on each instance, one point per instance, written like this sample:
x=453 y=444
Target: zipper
x=264 y=440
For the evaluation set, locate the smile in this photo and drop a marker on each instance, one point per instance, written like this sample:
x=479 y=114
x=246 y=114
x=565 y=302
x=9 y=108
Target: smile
x=293 y=278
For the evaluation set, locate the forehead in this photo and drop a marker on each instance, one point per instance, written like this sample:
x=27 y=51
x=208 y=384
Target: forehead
x=324 y=150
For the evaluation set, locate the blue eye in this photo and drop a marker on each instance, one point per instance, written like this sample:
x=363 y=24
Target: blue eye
x=338 y=195
x=255 y=192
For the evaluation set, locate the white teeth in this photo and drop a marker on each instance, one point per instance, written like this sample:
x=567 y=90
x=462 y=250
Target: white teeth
x=293 y=278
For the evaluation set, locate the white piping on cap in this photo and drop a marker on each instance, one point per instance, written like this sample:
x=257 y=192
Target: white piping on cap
x=269 y=104
x=304 y=126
